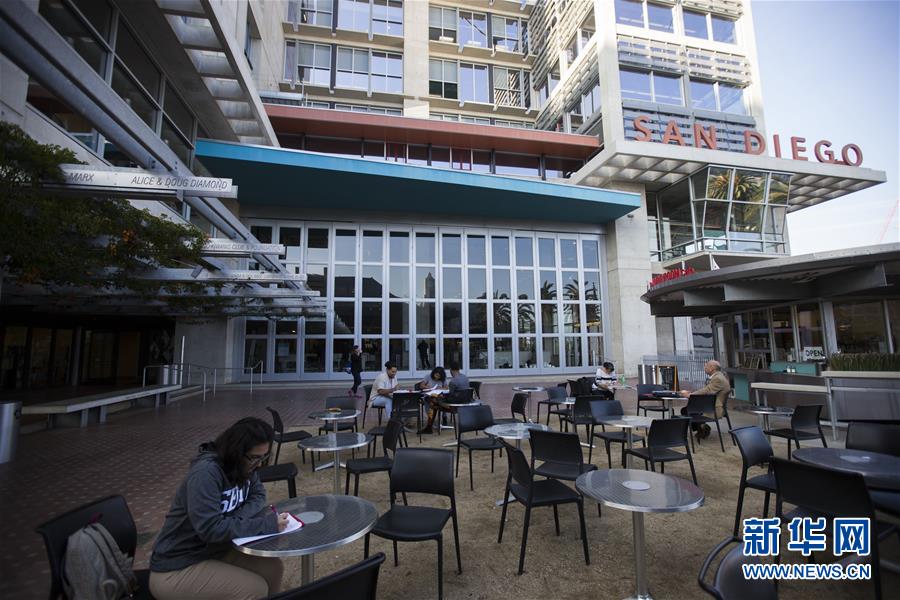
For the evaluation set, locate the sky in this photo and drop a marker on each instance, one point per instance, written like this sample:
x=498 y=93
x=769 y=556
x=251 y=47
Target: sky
x=830 y=71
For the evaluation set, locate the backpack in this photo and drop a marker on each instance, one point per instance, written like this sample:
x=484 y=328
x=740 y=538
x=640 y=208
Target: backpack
x=94 y=568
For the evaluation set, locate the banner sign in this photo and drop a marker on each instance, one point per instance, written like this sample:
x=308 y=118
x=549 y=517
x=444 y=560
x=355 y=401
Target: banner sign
x=226 y=247
x=139 y=179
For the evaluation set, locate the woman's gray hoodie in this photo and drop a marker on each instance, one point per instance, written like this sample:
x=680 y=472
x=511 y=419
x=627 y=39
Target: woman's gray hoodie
x=207 y=513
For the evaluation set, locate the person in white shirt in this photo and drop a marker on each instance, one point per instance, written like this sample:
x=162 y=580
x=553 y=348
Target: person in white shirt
x=384 y=387
x=606 y=377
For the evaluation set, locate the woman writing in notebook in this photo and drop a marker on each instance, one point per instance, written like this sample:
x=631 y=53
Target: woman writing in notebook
x=220 y=499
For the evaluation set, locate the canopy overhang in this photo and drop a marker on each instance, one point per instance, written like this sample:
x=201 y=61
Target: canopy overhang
x=298 y=179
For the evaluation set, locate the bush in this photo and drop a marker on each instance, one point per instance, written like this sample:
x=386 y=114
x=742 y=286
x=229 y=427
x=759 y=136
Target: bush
x=872 y=361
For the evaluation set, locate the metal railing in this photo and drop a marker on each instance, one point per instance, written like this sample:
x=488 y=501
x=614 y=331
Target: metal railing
x=188 y=369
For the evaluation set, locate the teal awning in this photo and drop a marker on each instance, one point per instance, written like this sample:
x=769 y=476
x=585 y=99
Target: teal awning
x=282 y=177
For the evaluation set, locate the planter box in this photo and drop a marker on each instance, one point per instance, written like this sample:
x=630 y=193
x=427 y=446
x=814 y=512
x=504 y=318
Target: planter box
x=866 y=395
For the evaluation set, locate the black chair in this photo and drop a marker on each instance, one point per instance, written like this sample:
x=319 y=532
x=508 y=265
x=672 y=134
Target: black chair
x=356 y=582
x=817 y=491
x=361 y=466
x=344 y=403
x=459 y=396
x=701 y=408
x=532 y=494
x=645 y=395
x=561 y=456
x=516 y=407
x=805 y=417
x=475 y=418
x=407 y=405
x=282 y=437
x=873 y=437
x=367 y=393
x=111 y=512
x=424 y=471
x=756 y=451
x=729 y=582
x=574 y=387
x=476 y=389
x=283 y=472
x=664 y=435
x=612 y=408
x=554 y=395
x=581 y=415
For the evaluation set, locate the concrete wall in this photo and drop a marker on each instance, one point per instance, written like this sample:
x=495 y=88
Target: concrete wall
x=208 y=342
x=631 y=331
x=415 y=59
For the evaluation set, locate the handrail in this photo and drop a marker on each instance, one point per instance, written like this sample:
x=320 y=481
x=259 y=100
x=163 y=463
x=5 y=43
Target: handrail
x=182 y=367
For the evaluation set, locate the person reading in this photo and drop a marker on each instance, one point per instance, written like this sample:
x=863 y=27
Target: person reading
x=220 y=498
x=436 y=380
x=384 y=387
x=716 y=383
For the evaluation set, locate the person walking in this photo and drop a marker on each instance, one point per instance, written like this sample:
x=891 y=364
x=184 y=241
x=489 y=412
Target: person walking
x=356 y=370
x=423 y=355
x=220 y=498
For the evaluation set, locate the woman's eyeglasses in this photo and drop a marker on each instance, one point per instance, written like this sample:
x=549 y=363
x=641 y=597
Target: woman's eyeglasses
x=255 y=460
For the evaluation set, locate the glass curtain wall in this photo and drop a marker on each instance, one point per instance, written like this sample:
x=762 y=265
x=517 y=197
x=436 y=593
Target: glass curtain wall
x=495 y=301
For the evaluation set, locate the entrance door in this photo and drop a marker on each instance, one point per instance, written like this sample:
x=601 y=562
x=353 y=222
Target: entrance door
x=99 y=357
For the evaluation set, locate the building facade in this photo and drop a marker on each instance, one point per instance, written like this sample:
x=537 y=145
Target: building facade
x=491 y=183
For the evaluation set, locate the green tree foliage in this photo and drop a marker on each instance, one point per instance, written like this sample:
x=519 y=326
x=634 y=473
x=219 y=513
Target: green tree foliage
x=52 y=239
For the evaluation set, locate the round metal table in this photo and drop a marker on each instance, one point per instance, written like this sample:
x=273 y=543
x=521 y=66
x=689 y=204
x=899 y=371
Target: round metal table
x=640 y=492
x=764 y=412
x=528 y=390
x=668 y=397
x=517 y=432
x=335 y=442
x=628 y=423
x=328 y=522
x=880 y=471
x=335 y=416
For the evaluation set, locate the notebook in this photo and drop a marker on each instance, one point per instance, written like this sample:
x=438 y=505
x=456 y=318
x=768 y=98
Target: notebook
x=293 y=525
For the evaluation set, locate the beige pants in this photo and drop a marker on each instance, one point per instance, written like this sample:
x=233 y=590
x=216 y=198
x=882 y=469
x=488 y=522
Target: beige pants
x=235 y=576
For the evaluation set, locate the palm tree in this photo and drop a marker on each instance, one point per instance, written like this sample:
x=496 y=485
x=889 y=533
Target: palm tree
x=572 y=290
x=526 y=318
x=548 y=290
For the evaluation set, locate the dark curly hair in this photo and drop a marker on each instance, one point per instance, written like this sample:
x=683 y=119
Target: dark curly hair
x=234 y=443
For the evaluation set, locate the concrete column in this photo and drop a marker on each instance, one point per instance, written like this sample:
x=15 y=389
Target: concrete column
x=608 y=61
x=415 y=59
x=208 y=342
x=632 y=330
x=665 y=335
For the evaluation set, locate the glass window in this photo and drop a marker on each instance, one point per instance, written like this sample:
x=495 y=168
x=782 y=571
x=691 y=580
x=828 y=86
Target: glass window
x=719 y=183
x=548 y=285
x=524 y=252
x=860 y=327
x=452 y=282
x=731 y=99
x=344 y=317
x=371 y=354
x=573 y=351
x=667 y=89
x=315 y=327
x=353 y=15
x=289 y=237
x=345 y=245
x=387 y=72
x=371 y=317
x=477 y=318
x=97 y=12
x=550 y=352
x=399 y=247
x=549 y=318
x=723 y=29
x=425 y=248
x=779 y=188
x=451 y=249
x=472 y=28
x=635 y=85
x=571 y=318
x=398 y=318
x=352 y=68
x=593 y=318
x=749 y=186
x=783 y=333
x=507 y=86
x=441 y=24
x=425 y=317
x=568 y=252
x=73 y=30
x=630 y=12
x=502 y=317
x=314 y=355
x=591 y=285
x=387 y=17
x=659 y=17
x=399 y=282
x=316 y=12
x=524 y=284
x=546 y=252
x=809 y=326
x=505 y=33
x=425 y=349
x=703 y=95
x=372 y=251
x=453 y=351
x=176 y=110
x=425 y=283
x=527 y=353
x=338 y=147
x=477 y=284
x=523 y=165
x=526 y=318
x=503 y=353
x=442 y=79
x=473 y=83
x=500 y=250
x=132 y=55
x=317 y=279
x=595 y=351
x=501 y=284
x=590 y=250
x=452 y=318
x=478 y=353
x=133 y=96
x=313 y=63
x=475 y=250
x=345 y=281
x=695 y=24
x=398 y=353
x=372 y=285
x=894 y=318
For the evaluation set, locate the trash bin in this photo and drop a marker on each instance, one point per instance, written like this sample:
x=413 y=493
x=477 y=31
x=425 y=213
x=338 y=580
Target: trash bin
x=10 y=414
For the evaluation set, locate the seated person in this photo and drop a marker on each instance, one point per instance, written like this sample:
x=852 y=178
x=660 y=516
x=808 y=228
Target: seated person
x=437 y=379
x=717 y=383
x=458 y=379
x=384 y=387
x=606 y=377
x=220 y=498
